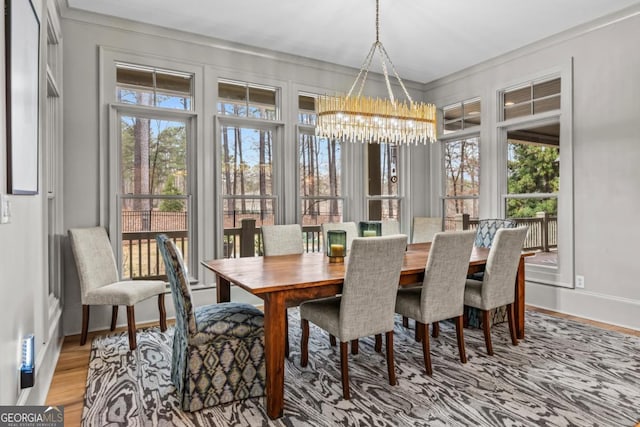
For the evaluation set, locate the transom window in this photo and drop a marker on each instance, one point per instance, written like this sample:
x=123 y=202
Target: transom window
x=532 y=98
x=460 y=116
x=248 y=100
x=153 y=87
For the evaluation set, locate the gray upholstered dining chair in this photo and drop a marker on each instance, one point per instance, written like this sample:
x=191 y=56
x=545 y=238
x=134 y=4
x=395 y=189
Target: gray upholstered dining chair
x=350 y=227
x=390 y=227
x=441 y=295
x=283 y=239
x=218 y=349
x=424 y=228
x=366 y=306
x=100 y=283
x=497 y=287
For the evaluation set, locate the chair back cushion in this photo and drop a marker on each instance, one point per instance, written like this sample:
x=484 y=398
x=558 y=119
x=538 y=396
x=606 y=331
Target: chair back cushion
x=390 y=227
x=498 y=287
x=94 y=258
x=179 y=283
x=349 y=227
x=424 y=228
x=371 y=285
x=282 y=239
x=487 y=230
x=445 y=275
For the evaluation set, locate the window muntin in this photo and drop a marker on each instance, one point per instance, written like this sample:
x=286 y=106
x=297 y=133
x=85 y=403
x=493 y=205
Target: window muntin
x=154 y=87
x=462 y=179
x=154 y=191
x=532 y=98
x=248 y=100
x=460 y=116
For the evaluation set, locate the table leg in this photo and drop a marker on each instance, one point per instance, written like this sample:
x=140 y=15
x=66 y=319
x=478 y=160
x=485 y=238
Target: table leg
x=274 y=341
x=223 y=289
x=518 y=305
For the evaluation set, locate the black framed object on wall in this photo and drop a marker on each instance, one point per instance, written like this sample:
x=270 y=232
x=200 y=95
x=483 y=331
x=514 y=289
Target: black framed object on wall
x=22 y=50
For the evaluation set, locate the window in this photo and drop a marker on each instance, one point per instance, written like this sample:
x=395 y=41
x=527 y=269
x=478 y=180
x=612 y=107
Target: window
x=153 y=87
x=461 y=181
x=461 y=116
x=248 y=150
x=247 y=100
x=531 y=98
x=320 y=170
x=154 y=190
x=383 y=183
x=536 y=185
x=533 y=182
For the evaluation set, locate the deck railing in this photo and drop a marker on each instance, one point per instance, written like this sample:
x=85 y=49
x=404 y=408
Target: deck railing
x=542 y=235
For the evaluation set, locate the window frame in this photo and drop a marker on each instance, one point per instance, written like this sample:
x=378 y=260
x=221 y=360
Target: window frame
x=563 y=274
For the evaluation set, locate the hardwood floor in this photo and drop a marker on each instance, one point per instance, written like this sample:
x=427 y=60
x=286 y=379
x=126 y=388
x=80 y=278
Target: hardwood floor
x=68 y=384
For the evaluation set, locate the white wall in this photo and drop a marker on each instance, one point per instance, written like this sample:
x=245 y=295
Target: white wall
x=606 y=157
x=23 y=270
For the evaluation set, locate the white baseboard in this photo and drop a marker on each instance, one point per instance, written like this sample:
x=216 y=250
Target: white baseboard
x=590 y=305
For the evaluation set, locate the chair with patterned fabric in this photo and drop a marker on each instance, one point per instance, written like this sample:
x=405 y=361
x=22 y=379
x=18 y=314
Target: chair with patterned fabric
x=218 y=349
x=367 y=302
x=100 y=283
x=487 y=230
x=497 y=286
x=441 y=295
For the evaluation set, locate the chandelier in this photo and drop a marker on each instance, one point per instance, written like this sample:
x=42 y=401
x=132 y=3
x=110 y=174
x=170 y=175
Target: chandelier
x=363 y=119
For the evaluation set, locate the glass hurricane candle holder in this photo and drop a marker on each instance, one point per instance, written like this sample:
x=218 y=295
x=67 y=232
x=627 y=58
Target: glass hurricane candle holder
x=336 y=245
x=370 y=228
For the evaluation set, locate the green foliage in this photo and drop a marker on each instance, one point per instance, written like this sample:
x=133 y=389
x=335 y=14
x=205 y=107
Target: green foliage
x=532 y=169
x=171 y=205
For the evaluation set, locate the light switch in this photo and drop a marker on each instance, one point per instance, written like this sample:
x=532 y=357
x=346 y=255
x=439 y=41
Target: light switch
x=5 y=209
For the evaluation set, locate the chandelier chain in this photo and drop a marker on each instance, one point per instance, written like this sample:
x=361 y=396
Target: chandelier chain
x=377 y=20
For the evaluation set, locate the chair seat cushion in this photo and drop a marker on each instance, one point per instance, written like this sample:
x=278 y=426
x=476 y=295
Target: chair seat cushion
x=127 y=292
x=473 y=294
x=324 y=312
x=224 y=321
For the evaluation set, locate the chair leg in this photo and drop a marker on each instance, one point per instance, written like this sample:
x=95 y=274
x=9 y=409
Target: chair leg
x=460 y=336
x=286 y=334
x=391 y=367
x=131 y=326
x=344 y=368
x=378 y=346
x=418 y=332
x=332 y=340
x=486 y=327
x=114 y=316
x=435 y=329
x=85 y=324
x=354 y=346
x=426 y=351
x=512 y=325
x=304 y=345
x=405 y=321
x=163 y=313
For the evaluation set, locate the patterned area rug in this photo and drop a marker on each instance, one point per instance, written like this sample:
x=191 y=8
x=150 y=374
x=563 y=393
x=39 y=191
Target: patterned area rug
x=564 y=373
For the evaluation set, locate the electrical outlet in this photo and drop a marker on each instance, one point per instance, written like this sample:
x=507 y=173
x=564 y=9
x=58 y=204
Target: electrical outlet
x=580 y=282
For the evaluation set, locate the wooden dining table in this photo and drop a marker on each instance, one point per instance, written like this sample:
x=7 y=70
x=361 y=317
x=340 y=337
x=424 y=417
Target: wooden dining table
x=287 y=280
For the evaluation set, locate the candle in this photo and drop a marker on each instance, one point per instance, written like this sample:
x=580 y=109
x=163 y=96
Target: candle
x=337 y=250
x=369 y=233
